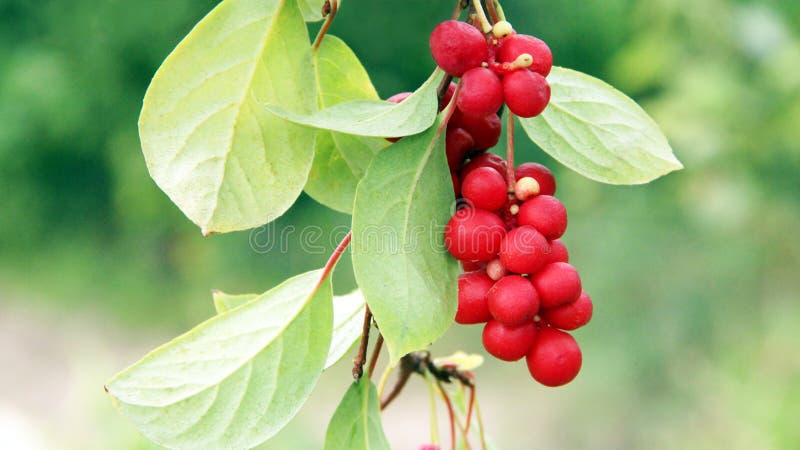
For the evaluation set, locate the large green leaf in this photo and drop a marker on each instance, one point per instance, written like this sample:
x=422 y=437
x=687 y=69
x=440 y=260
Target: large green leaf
x=311 y=9
x=399 y=259
x=599 y=132
x=340 y=160
x=225 y=161
x=356 y=424
x=372 y=117
x=348 y=318
x=236 y=379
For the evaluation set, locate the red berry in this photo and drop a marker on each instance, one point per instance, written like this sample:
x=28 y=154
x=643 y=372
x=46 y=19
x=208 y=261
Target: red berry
x=474 y=235
x=517 y=44
x=558 y=252
x=513 y=301
x=458 y=143
x=485 y=160
x=526 y=93
x=457 y=47
x=557 y=284
x=471 y=266
x=524 y=250
x=545 y=213
x=481 y=92
x=570 y=316
x=485 y=130
x=485 y=188
x=456 y=183
x=508 y=342
x=472 y=301
x=540 y=173
x=555 y=358
x=448 y=95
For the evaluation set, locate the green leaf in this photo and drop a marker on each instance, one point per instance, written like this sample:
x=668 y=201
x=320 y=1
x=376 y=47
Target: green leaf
x=236 y=379
x=374 y=118
x=399 y=258
x=348 y=317
x=340 y=160
x=311 y=9
x=356 y=424
x=225 y=161
x=599 y=132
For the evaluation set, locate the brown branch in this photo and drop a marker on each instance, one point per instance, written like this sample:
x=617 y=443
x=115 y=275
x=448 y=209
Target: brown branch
x=361 y=357
x=376 y=352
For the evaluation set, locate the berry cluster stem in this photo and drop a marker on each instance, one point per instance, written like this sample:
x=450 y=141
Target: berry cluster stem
x=510 y=151
x=490 y=8
x=329 y=11
x=484 y=23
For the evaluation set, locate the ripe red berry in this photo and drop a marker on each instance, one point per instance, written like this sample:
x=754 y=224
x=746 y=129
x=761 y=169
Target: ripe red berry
x=472 y=301
x=570 y=316
x=485 y=188
x=513 y=300
x=448 y=95
x=558 y=251
x=458 y=142
x=557 y=284
x=507 y=342
x=555 y=358
x=545 y=213
x=457 y=47
x=474 y=235
x=517 y=44
x=540 y=173
x=471 y=266
x=456 y=183
x=526 y=93
x=485 y=160
x=524 y=250
x=485 y=130
x=481 y=92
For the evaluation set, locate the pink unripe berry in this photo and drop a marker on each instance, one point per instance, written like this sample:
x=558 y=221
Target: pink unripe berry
x=557 y=284
x=524 y=250
x=472 y=301
x=507 y=342
x=496 y=270
x=555 y=358
x=485 y=160
x=526 y=93
x=540 y=173
x=399 y=98
x=526 y=188
x=517 y=44
x=485 y=188
x=513 y=300
x=545 y=213
x=457 y=47
x=474 y=235
x=558 y=251
x=458 y=142
x=481 y=92
x=570 y=316
x=485 y=130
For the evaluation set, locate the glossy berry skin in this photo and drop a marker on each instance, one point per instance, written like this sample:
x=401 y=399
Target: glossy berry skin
x=485 y=130
x=557 y=284
x=472 y=301
x=555 y=358
x=570 y=316
x=485 y=189
x=545 y=213
x=485 y=160
x=507 y=342
x=517 y=44
x=458 y=47
x=474 y=235
x=481 y=92
x=513 y=300
x=540 y=173
x=526 y=93
x=524 y=250
x=558 y=252
x=458 y=142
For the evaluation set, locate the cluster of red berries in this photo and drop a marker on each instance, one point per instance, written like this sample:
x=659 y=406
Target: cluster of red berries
x=499 y=67
x=518 y=280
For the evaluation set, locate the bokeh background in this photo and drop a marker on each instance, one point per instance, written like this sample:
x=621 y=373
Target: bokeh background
x=695 y=341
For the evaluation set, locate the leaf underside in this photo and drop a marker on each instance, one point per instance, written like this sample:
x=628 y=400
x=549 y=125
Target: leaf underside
x=356 y=424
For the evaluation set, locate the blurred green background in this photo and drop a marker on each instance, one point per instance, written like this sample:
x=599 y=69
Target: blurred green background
x=695 y=277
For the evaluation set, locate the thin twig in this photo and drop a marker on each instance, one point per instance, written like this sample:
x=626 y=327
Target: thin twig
x=510 y=151
x=361 y=356
x=450 y=413
x=331 y=7
x=376 y=352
